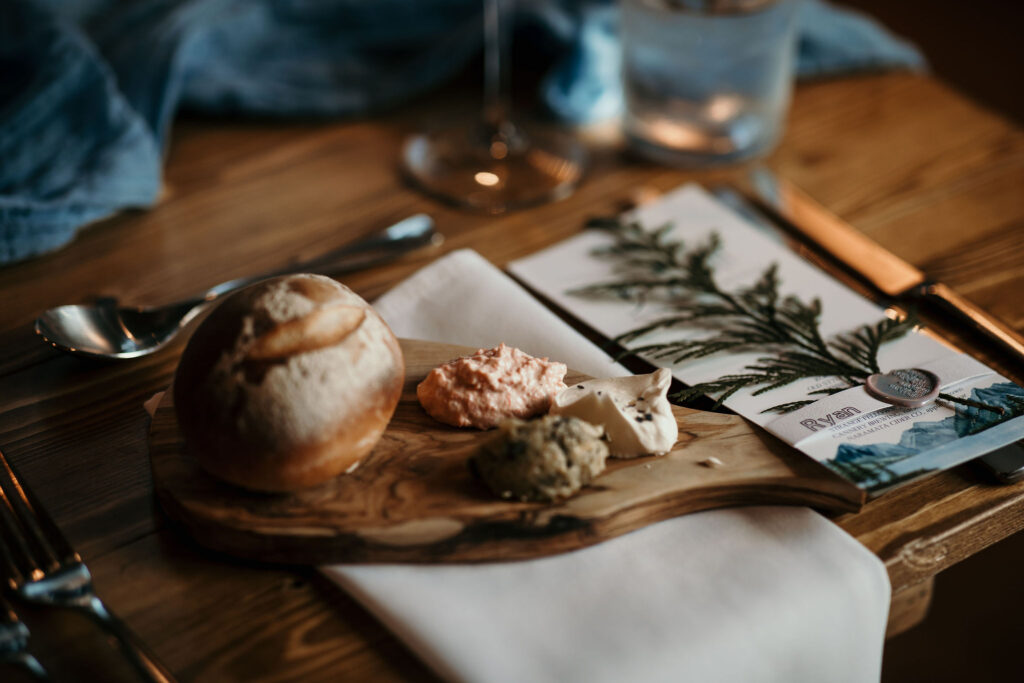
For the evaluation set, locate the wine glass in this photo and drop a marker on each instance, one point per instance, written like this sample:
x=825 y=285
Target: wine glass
x=494 y=166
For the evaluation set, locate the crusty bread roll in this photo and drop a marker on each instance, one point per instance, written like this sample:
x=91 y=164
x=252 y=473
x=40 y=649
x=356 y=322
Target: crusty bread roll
x=287 y=383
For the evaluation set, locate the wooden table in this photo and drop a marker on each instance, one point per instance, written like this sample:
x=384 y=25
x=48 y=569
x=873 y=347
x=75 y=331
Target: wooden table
x=902 y=157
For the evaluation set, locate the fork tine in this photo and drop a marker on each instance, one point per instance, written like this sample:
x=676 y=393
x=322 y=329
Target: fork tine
x=14 y=547
x=41 y=545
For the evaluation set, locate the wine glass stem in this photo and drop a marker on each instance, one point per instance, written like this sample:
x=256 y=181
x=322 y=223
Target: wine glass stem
x=496 y=71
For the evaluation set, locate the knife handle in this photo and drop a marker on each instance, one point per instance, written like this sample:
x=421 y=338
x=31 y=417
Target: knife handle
x=980 y=320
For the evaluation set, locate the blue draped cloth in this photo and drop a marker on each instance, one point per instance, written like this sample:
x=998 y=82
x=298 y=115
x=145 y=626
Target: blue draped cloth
x=88 y=89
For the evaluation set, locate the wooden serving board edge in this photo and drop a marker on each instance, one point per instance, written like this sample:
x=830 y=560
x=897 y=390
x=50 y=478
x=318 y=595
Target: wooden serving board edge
x=775 y=475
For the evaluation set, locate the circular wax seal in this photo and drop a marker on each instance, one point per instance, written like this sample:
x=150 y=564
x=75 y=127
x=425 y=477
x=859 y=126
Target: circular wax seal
x=909 y=387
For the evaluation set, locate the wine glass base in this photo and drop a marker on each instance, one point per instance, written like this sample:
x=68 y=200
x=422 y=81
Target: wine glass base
x=490 y=172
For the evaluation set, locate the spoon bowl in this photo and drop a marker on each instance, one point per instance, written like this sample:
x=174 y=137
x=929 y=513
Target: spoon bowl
x=106 y=330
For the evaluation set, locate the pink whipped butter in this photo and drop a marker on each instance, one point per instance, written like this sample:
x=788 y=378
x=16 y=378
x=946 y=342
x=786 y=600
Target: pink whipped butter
x=493 y=384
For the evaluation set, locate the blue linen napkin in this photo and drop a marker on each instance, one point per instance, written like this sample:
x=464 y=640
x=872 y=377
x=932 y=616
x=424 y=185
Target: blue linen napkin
x=88 y=88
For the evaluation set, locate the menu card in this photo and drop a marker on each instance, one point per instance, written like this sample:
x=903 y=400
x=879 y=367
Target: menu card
x=857 y=431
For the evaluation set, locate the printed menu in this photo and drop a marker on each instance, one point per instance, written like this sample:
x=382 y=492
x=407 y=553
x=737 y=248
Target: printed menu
x=879 y=432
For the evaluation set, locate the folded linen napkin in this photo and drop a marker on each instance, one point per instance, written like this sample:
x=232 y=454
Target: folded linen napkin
x=88 y=88
x=746 y=594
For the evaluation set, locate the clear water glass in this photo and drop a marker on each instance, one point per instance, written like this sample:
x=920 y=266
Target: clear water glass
x=707 y=82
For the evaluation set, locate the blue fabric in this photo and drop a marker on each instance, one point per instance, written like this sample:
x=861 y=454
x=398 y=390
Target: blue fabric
x=88 y=88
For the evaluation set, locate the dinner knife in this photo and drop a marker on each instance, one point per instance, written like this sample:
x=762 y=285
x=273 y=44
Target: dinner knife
x=883 y=270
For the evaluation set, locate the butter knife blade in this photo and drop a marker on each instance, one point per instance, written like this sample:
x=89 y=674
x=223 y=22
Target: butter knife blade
x=882 y=269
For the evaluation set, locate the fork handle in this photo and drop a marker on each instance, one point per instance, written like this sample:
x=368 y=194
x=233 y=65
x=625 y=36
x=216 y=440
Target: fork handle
x=151 y=669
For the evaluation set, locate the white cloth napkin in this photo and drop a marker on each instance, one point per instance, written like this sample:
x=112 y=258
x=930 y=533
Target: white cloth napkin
x=746 y=594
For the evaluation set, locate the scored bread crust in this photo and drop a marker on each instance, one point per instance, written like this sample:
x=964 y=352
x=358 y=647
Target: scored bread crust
x=287 y=383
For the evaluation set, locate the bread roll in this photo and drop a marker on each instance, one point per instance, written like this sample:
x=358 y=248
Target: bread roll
x=287 y=383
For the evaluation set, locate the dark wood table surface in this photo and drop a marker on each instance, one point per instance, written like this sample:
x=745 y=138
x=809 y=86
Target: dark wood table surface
x=905 y=159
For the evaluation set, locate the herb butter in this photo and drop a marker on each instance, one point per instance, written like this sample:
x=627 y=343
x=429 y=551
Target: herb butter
x=541 y=460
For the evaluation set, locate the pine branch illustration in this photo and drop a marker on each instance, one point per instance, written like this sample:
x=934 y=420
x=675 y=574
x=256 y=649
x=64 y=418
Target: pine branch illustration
x=862 y=345
x=753 y=318
x=971 y=403
x=788 y=407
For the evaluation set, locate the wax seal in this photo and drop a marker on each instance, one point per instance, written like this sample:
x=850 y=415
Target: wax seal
x=908 y=387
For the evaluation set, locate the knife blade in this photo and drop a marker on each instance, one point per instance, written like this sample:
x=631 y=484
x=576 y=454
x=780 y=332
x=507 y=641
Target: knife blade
x=877 y=266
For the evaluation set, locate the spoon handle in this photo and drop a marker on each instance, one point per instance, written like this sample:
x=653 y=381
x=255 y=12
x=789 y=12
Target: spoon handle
x=379 y=247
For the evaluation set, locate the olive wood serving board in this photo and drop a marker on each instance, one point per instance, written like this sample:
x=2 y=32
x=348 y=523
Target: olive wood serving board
x=413 y=499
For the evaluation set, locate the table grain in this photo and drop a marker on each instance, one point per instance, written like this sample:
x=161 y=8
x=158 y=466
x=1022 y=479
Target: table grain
x=904 y=158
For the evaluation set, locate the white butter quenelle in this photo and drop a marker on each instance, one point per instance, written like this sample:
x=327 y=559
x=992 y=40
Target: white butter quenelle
x=634 y=411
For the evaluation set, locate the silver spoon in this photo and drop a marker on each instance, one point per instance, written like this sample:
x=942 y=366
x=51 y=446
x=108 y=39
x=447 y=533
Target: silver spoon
x=106 y=330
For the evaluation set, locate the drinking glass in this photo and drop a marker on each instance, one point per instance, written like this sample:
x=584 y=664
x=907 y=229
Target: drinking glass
x=706 y=81
x=495 y=165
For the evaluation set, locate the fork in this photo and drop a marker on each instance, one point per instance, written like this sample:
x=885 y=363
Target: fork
x=14 y=643
x=41 y=566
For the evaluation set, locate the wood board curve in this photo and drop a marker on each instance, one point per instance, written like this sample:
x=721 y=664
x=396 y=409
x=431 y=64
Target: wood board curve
x=413 y=499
